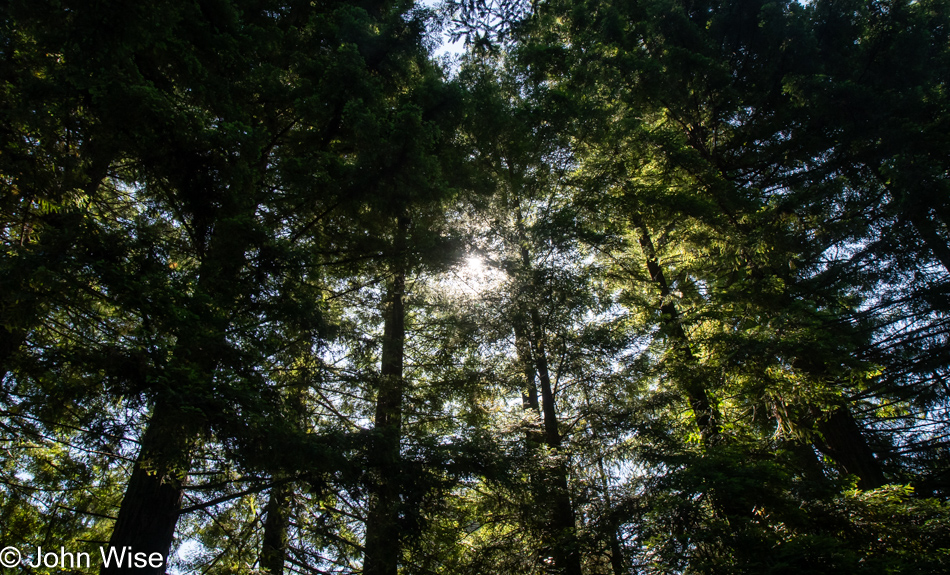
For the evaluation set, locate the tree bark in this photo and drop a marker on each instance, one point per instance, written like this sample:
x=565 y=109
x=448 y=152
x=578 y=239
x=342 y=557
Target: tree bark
x=153 y=496
x=274 y=544
x=705 y=413
x=566 y=553
x=919 y=218
x=529 y=341
x=383 y=546
x=842 y=441
x=10 y=342
x=554 y=485
x=807 y=459
x=151 y=505
x=529 y=396
x=928 y=232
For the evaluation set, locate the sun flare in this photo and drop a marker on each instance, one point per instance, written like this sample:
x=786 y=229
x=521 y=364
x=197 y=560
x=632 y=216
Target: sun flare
x=472 y=276
x=474 y=265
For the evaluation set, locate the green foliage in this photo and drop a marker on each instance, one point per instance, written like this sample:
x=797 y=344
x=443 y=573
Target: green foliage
x=675 y=282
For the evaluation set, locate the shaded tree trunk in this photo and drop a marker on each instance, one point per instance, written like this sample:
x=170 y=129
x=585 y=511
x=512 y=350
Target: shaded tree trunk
x=842 y=441
x=556 y=492
x=383 y=546
x=612 y=530
x=919 y=218
x=529 y=397
x=10 y=342
x=617 y=559
x=152 y=502
x=529 y=341
x=276 y=522
x=153 y=496
x=806 y=458
x=928 y=232
x=705 y=413
x=566 y=552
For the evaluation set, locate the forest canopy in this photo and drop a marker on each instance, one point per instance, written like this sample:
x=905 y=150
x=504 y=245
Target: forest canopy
x=639 y=287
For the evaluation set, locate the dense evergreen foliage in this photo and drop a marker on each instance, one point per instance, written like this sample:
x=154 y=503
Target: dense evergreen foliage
x=654 y=286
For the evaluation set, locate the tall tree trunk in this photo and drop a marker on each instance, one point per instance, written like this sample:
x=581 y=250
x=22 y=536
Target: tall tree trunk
x=612 y=531
x=529 y=341
x=153 y=496
x=152 y=502
x=617 y=559
x=919 y=217
x=842 y=441
x=548 y=409
x=562 y=524
x=10 y=342
x=807 y=459
x=705 y=413
x=277 y=519
x=383 y=546
x=274 y=544
x=529 y=397
x=566 y=552
x=928 y=232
